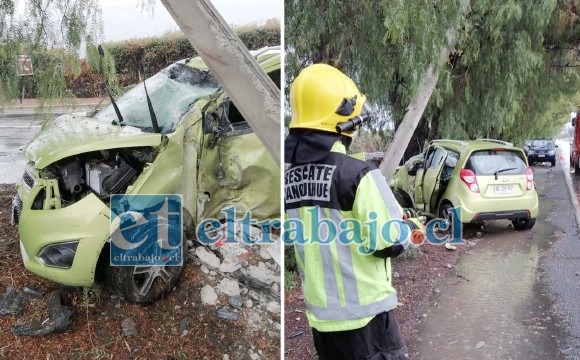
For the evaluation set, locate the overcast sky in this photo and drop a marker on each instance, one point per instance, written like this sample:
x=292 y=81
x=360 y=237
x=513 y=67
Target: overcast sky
x=123 y=20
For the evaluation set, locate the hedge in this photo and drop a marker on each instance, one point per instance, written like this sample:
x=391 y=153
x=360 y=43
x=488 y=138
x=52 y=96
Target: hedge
x=145 y=57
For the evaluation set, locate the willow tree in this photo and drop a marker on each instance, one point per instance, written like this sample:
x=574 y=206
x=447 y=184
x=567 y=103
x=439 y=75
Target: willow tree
x=384 y=45
x=51 y=33
x=507 y=75
x=502 y=74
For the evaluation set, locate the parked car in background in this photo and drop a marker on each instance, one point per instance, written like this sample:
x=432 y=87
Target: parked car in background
x=488 y=179
x=542 y=150
x=200 y=147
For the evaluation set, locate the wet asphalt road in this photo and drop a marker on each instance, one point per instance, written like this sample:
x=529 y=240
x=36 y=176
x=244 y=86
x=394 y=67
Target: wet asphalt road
x=17 y=127
x=16 y=130
x=517 y=293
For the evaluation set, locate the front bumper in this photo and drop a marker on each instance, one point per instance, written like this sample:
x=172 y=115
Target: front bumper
x=537 y=158
x=86 y=221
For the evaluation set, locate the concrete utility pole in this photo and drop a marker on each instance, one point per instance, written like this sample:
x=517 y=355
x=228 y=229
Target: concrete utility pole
x=253 y=92
x=396 y=149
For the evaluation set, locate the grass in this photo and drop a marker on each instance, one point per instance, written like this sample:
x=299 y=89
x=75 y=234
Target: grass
x=413 y=252
x=290 y=280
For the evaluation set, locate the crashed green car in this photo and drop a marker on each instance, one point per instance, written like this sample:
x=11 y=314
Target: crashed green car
x=487 y=179
x=200 y=147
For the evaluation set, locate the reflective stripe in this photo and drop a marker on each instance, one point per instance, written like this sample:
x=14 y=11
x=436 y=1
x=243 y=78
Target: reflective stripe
x=354 y=311
x=333 y=309
x=330 y=282
x=295 y=214
x=349 y=283
x=392 y=205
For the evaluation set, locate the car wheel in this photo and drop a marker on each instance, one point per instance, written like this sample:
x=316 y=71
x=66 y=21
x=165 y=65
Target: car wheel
x=553 y=162
x=144 y=284
x=577 y=167
x=523 y=223
x=445 y=213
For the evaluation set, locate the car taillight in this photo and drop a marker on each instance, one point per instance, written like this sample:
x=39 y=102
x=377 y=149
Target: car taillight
x=469 y=179
x=529 y=179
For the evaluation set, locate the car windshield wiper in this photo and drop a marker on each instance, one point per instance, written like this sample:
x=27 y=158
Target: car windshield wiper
x=117 y=111
x=503 y=170
x=152 y=115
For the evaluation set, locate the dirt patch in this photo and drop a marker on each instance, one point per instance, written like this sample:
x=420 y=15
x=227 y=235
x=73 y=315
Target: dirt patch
x=415 y=277
x=179 y=326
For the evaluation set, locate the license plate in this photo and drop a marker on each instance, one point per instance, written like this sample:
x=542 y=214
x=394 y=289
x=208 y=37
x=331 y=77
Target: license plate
x=503 y=189
x=541 y=155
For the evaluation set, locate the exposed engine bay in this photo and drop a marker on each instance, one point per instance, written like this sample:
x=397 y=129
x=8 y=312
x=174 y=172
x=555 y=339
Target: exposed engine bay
x=104 y=172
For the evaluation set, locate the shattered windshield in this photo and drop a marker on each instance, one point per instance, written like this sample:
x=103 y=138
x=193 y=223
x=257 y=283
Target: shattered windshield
x=172 y=92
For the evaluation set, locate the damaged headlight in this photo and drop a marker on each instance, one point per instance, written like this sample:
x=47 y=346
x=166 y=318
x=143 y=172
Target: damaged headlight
x=59 y=255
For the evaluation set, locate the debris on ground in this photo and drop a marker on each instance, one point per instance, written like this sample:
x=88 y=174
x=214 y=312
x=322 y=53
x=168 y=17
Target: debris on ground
x=129 y=327
x=45 y=315
x=247 y=274
x=450 y=246
x=479 y=345
x=224 y=313
x=12 y=302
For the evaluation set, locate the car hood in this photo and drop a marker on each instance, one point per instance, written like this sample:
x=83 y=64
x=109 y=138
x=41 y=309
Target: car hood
x=69 y=135
x=541 y=148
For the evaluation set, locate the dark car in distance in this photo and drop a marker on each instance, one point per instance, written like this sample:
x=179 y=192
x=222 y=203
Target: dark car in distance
x=542 y=150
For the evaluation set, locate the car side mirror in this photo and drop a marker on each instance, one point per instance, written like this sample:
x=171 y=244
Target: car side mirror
x=556 y=145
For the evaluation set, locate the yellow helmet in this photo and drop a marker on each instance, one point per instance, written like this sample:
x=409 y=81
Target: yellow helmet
x=322 y=96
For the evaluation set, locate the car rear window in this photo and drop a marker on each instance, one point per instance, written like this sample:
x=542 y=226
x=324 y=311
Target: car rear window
x=488 y=162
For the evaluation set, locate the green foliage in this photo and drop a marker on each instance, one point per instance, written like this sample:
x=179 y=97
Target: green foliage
x=290 y=258
x=141 y=58
x=512 y=74
x=412 y=252
x=290 y=280
x=51 y=33
x=384 y=45
x=370 y=141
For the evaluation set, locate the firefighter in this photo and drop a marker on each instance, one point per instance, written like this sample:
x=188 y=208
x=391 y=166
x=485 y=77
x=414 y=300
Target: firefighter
x=345 y=268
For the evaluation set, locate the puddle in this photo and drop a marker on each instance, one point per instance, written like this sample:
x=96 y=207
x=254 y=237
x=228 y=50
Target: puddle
x=495 y=308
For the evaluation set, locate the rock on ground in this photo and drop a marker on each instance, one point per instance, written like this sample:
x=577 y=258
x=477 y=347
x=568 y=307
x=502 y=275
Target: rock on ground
x=208 y=296
x=207 y=257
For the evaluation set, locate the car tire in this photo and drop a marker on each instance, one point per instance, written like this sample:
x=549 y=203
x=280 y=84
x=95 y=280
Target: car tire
x=144 y=284
x=523 y=223
x=444 y=213
x=577 y=167
x=553 y=162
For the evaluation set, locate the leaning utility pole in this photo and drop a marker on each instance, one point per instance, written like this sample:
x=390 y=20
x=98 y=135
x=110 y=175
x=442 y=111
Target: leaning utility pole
x=396 y=149
x=251 y=90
